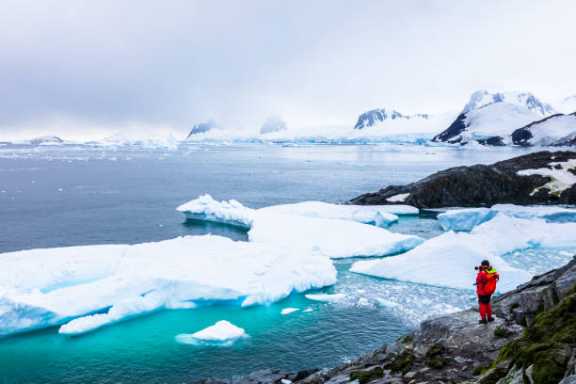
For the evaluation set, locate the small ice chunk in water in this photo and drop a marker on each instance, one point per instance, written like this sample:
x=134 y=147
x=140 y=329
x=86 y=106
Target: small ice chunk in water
x=464 y=219
x=205 y=208
x=222 y=333
x=325 y=297
x=289 y=310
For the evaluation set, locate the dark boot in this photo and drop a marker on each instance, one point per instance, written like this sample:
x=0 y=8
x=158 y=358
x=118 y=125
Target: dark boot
x=491 y=319
x=483 y=321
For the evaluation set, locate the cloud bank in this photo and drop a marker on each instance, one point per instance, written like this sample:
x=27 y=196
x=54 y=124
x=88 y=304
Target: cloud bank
x=87 y=67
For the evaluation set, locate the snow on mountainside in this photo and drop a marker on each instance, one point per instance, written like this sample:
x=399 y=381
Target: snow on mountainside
x=483 y=98
x=375 y=116
x=491 y=118
x=273 y=124
x=552 y=130
x=202 y=128
x=492 y=124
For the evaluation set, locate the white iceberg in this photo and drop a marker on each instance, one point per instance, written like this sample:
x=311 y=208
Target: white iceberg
x=92 y=286
x=326 y=297
x=448 y=260
x=467 y=219
x=464 y=219
x=333 y=238
x=379 y=215
x=288 y=310
x=205 y=208
x=222 y=333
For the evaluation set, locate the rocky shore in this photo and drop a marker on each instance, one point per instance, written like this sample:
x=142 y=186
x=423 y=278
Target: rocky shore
x=537 y=178
x=533 y=340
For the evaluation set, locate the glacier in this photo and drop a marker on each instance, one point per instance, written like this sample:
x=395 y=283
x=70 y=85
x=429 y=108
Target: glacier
x=466 y=219
x=86 y=287
x=222 y=333
x=447 y=260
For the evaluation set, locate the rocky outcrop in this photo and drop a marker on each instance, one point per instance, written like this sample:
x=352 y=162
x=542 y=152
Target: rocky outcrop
x=511 y=181
x=533 y=340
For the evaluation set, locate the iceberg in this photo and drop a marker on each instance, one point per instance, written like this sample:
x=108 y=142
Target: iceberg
x=206 y=208
x=326 y=297
x=448 y=260
x=376 y=215
x=464 y=220
x=222 y=333
x=289 y=310
x=467 y=219
x=84 y=288
x=331 y=237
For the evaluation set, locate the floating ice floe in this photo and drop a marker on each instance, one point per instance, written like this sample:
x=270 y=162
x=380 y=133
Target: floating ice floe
x=468 y=218
x=326 y=297
x=222 y=333
x=448 y=260
x=376 y=215
x=333 y=238
x=87 y=287
x=289 y=310
x=205 y=208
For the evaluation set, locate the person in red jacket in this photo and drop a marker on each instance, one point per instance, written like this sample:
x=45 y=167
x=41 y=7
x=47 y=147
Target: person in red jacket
x=486 y=280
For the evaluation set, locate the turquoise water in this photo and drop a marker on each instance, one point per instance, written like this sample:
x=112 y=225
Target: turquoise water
x=75 y=195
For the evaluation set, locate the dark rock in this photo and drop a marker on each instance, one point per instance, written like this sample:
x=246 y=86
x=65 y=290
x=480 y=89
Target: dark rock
x=452 y=133
x=481 y=185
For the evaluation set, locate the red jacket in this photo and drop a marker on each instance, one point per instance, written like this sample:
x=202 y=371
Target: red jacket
x=486 y=282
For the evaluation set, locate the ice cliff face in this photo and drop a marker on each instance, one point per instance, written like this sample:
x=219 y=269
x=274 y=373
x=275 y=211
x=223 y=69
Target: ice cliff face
x=375 y=116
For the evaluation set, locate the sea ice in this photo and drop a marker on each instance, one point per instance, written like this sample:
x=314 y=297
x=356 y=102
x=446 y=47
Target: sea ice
x=76 y=284
x=205 y=208
x=333 y=238
x=448 y=260
x=467 y=219
x=376 y=215
x=326 y=297
x=289 y=310
x=222 y=333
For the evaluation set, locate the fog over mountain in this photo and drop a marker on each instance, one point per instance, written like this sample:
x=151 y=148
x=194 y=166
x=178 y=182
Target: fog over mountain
x=96 y=68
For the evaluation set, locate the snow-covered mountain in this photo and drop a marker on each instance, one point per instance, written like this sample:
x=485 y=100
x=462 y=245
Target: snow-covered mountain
x=202 y=128
x=527 y=100
x=552 y=130
x=376 y=116
x=273 y=124
x=47 y=140
x=491 y=118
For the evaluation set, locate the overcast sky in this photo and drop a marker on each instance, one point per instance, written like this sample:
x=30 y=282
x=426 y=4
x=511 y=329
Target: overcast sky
x=112 y=63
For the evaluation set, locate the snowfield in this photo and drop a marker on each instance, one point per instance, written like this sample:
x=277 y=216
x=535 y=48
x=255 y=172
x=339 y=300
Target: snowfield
x=560 y=174
x=87 y=287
